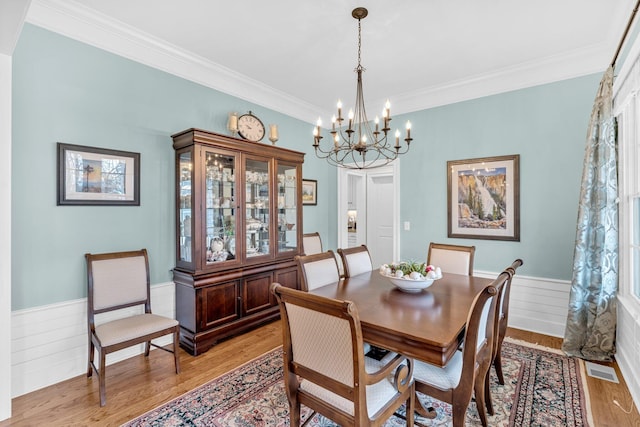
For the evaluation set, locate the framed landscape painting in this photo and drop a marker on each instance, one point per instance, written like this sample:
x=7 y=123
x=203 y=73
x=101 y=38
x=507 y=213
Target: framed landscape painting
x=483 y=198
x=309 y=192
x=97 y=176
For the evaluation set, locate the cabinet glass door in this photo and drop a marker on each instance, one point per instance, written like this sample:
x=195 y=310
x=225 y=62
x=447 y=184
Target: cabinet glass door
x=185 y=214
x=287 y=211
x=220 y=207
x=258 y=200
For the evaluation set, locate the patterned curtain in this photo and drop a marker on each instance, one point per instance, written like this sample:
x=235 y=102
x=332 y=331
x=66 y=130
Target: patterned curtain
x=591 y=323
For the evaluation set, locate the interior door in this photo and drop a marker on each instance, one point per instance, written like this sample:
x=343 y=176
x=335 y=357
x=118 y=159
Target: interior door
x=377 y=201
x=380 y=228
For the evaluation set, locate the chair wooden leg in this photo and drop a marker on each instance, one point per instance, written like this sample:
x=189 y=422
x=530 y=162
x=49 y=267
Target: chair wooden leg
x=294 y=414
x=458 y=415
x=101 y=375
x=176 y=344
x=92 y=350
x=497 y=362
x=480 y=402
x=487 y=391
x=411 y=407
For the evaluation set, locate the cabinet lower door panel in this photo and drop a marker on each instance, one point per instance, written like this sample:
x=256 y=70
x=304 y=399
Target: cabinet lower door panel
x=220 y=304
x=256 y=293
x=287 y=277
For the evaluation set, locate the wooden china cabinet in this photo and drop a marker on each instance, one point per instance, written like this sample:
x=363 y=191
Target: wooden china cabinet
x=238 y=229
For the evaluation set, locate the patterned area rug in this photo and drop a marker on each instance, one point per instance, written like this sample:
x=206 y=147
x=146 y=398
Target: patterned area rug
x=542 y=388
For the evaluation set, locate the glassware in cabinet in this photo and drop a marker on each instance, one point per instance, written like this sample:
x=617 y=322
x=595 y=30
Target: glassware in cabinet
x=220 y=207
x=258 y=207
x=185 y=202
x=287 y=186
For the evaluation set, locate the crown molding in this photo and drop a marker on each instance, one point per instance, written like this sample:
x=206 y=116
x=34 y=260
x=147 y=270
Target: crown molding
x=555 y=68
x=74 y=20
x=12 y=15
x=78 y=22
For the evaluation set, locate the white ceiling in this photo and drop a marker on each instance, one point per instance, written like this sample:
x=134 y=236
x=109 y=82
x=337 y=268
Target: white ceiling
x=298 y=56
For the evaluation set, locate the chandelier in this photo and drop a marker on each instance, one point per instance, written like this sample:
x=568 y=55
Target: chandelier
x=355 y=145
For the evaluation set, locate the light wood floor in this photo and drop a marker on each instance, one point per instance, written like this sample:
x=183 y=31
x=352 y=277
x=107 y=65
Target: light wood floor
x=137 y=385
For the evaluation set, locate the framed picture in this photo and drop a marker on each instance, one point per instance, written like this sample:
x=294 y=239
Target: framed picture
x=309 y=192
x=97 y=176
x=483 y=198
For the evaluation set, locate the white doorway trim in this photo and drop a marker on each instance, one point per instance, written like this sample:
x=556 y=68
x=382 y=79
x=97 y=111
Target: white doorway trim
x=392 y=168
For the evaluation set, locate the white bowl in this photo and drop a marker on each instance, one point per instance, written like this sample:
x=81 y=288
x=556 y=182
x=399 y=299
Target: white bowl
x=406 y=284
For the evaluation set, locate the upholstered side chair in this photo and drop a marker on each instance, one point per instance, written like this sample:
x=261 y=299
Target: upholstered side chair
x=311 y=243
x=465 y=373
x=318 y=269
x=500 y=329
x=325 y=367
x=117 y=281
x=503 y=320
x=355 y=260
x=454 y=259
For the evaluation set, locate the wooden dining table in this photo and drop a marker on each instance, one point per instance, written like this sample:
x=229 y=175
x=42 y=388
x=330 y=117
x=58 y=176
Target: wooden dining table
x=427 y=325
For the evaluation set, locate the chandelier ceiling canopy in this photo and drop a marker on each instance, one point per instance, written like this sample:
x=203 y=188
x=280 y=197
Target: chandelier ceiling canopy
x=357 y=144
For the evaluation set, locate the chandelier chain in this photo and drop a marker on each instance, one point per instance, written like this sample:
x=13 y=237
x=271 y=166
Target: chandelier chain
x=359 y=43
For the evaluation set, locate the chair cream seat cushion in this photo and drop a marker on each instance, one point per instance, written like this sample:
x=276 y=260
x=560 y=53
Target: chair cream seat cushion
x=121 y=330
x=378 y=394
x=444 y=378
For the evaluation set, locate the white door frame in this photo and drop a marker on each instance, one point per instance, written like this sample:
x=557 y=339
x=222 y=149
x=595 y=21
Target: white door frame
x=394 y=169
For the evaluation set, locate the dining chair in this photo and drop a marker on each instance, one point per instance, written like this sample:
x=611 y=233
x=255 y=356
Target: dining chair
x=465 y=373
x=311 y=243
x=500 y=329
x=503 y=320
x=454 y=259
x=317 y=270
x=355 y=260
x=116 y=281
x=325 y=367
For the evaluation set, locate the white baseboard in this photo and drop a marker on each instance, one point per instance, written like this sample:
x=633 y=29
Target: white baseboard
x=49 y=343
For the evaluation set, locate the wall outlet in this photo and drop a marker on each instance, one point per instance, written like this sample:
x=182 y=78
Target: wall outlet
x=407 y=225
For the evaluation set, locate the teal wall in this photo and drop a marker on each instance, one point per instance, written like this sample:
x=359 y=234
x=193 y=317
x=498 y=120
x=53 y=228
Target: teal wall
x=66 y=91
x=547 y=126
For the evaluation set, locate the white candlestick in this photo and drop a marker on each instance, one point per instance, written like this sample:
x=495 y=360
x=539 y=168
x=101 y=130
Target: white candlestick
x=233 y=122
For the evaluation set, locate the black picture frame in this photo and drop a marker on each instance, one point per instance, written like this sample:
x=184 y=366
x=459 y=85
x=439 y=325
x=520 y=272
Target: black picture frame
x=309 y=192
x=97 y=176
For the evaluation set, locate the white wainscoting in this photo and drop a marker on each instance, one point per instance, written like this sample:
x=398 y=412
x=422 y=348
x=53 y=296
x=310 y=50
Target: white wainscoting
x=537 y=304
x=628 y=346
x=49 y=343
